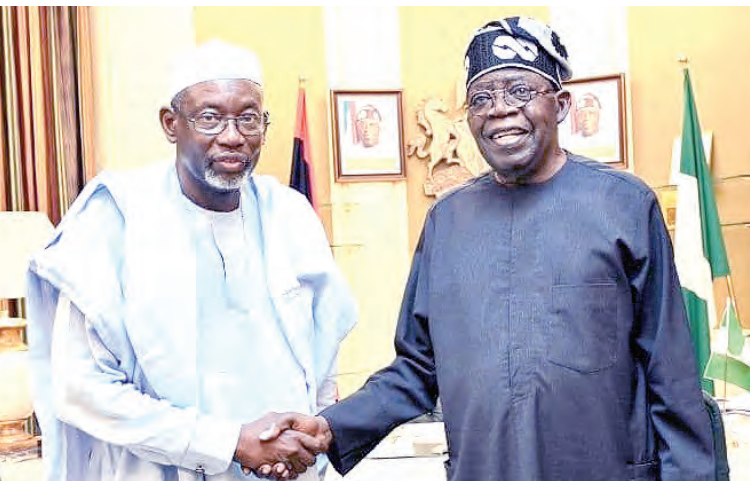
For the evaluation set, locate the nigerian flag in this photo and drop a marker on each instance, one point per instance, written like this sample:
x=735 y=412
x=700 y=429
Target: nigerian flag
x=730 y=358
x=700 y=254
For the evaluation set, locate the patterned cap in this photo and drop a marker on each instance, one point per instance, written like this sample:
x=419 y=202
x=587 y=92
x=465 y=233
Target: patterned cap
x=520 y=42
x=213 y=60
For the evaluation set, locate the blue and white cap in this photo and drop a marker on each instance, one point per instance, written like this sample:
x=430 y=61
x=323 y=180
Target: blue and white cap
x=520 y=42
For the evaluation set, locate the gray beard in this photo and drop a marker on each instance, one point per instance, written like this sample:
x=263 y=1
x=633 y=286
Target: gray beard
x=226 y=183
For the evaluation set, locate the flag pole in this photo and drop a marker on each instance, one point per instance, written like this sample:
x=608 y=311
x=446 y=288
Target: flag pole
x=732 y=300
x=733 y=306
x=684 y=61
x=301 y=177
x=730 y=288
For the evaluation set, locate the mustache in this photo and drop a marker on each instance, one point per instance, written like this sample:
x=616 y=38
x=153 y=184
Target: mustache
x=230 y=157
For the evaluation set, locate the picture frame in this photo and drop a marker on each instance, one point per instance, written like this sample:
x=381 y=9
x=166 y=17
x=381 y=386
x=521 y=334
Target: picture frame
x=368 y=135
x=596 y=126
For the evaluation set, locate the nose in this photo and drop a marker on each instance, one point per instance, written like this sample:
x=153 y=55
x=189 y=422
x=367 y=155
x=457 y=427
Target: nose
x=500 y=107
x=231 y=135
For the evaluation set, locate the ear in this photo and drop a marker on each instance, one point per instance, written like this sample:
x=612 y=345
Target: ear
x=562 y=103
x=168 y=119
x=266 y=123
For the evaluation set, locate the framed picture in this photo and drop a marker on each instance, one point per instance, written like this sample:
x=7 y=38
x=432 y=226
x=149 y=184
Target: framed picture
x=596 y=126
x=367 y=135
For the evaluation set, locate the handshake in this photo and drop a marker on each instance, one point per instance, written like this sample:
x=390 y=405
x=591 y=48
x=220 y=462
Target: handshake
x=282 y=446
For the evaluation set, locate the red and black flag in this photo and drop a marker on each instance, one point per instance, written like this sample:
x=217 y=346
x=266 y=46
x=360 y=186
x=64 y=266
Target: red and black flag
x=301 y=178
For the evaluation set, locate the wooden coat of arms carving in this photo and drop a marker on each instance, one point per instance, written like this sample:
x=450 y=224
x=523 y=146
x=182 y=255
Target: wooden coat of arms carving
x=447 y=145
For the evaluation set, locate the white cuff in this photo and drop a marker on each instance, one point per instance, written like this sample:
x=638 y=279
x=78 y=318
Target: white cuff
x=213 y=445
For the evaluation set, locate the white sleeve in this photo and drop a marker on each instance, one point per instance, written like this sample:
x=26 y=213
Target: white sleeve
x=328 y=392
x=94 y=395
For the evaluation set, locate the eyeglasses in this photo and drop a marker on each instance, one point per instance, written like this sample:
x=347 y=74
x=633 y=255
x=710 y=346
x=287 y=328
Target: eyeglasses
x=516 y=96
x=249 y=124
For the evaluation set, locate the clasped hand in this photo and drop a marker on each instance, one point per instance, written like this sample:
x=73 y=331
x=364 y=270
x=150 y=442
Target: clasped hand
x=282 y=446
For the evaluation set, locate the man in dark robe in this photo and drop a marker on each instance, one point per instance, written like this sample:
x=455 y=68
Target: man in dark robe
x=543 y=305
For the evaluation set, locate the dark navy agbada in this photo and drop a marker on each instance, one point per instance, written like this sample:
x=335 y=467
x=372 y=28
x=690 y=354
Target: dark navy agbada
x=549 y=319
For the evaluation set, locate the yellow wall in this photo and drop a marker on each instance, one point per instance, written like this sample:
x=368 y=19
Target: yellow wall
x=370 y=228
x=290 y=44
x=715 y=40
x=129 y=87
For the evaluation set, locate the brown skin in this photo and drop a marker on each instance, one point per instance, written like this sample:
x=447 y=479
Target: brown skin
x=315 y=426
x=229 y=155
x=520 y=144
x=291 y=451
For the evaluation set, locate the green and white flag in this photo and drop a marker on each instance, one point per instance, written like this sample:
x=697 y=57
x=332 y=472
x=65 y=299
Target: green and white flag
x=700 y=254
x=730 y=358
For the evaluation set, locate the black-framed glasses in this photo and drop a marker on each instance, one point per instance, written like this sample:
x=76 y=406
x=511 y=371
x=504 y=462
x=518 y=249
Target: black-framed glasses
x=248 y=124
x=516 y=96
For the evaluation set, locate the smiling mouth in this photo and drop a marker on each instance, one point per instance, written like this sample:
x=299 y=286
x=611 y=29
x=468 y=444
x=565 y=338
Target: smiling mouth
x=508 y=137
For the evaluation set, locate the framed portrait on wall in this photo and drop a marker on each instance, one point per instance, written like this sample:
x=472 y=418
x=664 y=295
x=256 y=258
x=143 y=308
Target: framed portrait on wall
x=367 y=135
x=596 y=124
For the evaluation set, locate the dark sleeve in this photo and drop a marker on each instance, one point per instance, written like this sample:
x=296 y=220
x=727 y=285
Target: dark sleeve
x=662 y=337
x=402 y=391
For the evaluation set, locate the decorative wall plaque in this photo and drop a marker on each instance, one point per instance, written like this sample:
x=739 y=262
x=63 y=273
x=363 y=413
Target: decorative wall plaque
x=447 y=145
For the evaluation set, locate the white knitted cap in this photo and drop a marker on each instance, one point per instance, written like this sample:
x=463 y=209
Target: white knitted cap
x=212 y=60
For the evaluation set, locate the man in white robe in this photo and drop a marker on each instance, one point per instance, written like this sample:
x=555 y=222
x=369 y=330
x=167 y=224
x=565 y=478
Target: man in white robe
x=179 y=303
